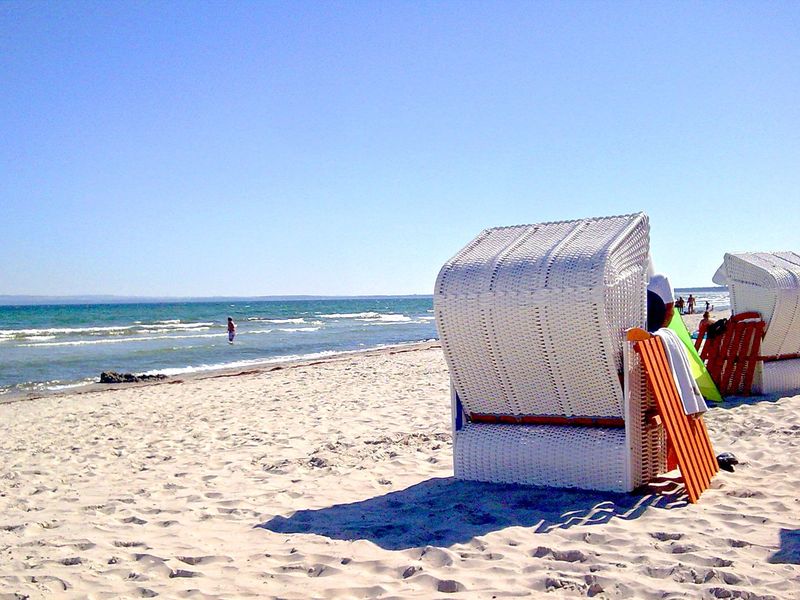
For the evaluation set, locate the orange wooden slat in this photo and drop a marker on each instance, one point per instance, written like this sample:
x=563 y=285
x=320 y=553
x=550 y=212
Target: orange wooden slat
x=673 y=406
x=701 y=331
x=705 y=441
x=698 y=437
x=686 y=459
x=684 y=423
x=730 y=349
x=657 y=377
x=728 y=340
x=704 y=446
x=751 y=364
x=688 y=436
x=744 y=356
x=731 y=357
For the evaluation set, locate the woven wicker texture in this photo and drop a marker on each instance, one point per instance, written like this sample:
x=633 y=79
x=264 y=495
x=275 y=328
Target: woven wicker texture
x=768 y=283
x=777 y=376
x=647 y=446
x=583 y=457
x=532 y=317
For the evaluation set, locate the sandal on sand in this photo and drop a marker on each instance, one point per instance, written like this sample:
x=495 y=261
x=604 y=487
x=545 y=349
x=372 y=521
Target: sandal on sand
x=726 y=460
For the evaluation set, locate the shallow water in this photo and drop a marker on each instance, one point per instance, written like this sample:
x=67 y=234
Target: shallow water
x=49 y=347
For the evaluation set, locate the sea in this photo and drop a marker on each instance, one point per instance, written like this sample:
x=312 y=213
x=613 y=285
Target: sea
x=52 y=347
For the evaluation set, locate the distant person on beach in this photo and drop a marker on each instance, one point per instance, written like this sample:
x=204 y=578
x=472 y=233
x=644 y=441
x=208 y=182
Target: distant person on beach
x=679 y=304
x=707 y=306
x=231 y=330
x=690 y=304
x=660 y=303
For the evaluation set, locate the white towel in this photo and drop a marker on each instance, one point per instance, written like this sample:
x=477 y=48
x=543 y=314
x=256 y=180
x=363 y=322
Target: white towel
x=691 y=397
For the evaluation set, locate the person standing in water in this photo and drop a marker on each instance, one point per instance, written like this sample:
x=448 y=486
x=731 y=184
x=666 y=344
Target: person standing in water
x=690 y=304
x=231 y=330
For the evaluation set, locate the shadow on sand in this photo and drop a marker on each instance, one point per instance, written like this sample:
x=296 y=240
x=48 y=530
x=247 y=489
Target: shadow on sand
x=735 y=401
x=789 y=552
x=447 y=511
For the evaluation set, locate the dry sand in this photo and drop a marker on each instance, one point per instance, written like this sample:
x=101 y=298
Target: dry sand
x=334 y=480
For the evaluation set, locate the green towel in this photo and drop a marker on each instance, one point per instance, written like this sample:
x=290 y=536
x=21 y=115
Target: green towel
x=699 y=371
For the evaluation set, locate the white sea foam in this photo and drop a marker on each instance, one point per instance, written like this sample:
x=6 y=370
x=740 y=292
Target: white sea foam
x=162 y=329
x=389 y=319
x=267 y=361
x=176 y=325
x=143 y=338
x=277 y=321
x=299 y=329
x=67 y=386
x=107 y=330
x=361 y=315
x=62 y=330
x=241 y=363
x=368 y=316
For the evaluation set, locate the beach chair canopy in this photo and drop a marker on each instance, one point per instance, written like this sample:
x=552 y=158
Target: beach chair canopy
x=769 y=284
x=532 y=317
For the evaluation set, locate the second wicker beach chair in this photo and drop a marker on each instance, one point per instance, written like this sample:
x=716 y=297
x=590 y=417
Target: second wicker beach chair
x=768 y=283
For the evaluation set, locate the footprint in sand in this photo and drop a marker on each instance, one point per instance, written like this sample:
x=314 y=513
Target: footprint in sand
x=559 y=555
x=51 y=583
x=449 y=586
x=83 y=546
x=167 y=523
x=436 y=557
x=184 y=573
x=204 y=560
x=681 y=548
x=665 y=536
x=410 y=571
x=125 y=544
x=659 y=572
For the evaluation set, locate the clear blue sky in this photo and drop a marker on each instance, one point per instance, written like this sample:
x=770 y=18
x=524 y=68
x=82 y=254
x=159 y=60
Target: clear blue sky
x=160 y=148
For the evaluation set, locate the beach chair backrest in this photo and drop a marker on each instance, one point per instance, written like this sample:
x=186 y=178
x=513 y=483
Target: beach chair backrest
x=688 y=436
x=532 y=317
x=731 y=357
x=767 y=283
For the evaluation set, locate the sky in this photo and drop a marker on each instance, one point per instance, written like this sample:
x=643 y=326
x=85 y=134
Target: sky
x=347 y=148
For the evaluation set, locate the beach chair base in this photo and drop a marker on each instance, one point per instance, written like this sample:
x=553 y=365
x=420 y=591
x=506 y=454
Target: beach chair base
x=546 y=455
x=777 y=377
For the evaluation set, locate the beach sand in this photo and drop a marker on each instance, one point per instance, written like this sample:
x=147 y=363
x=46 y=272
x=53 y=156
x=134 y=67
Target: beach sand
x=334 y=480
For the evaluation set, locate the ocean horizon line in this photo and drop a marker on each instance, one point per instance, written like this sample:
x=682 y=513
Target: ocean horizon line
x=55 y=300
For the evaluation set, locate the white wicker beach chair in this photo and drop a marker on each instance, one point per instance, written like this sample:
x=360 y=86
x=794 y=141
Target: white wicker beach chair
x=532 y=320
x=769 y=283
